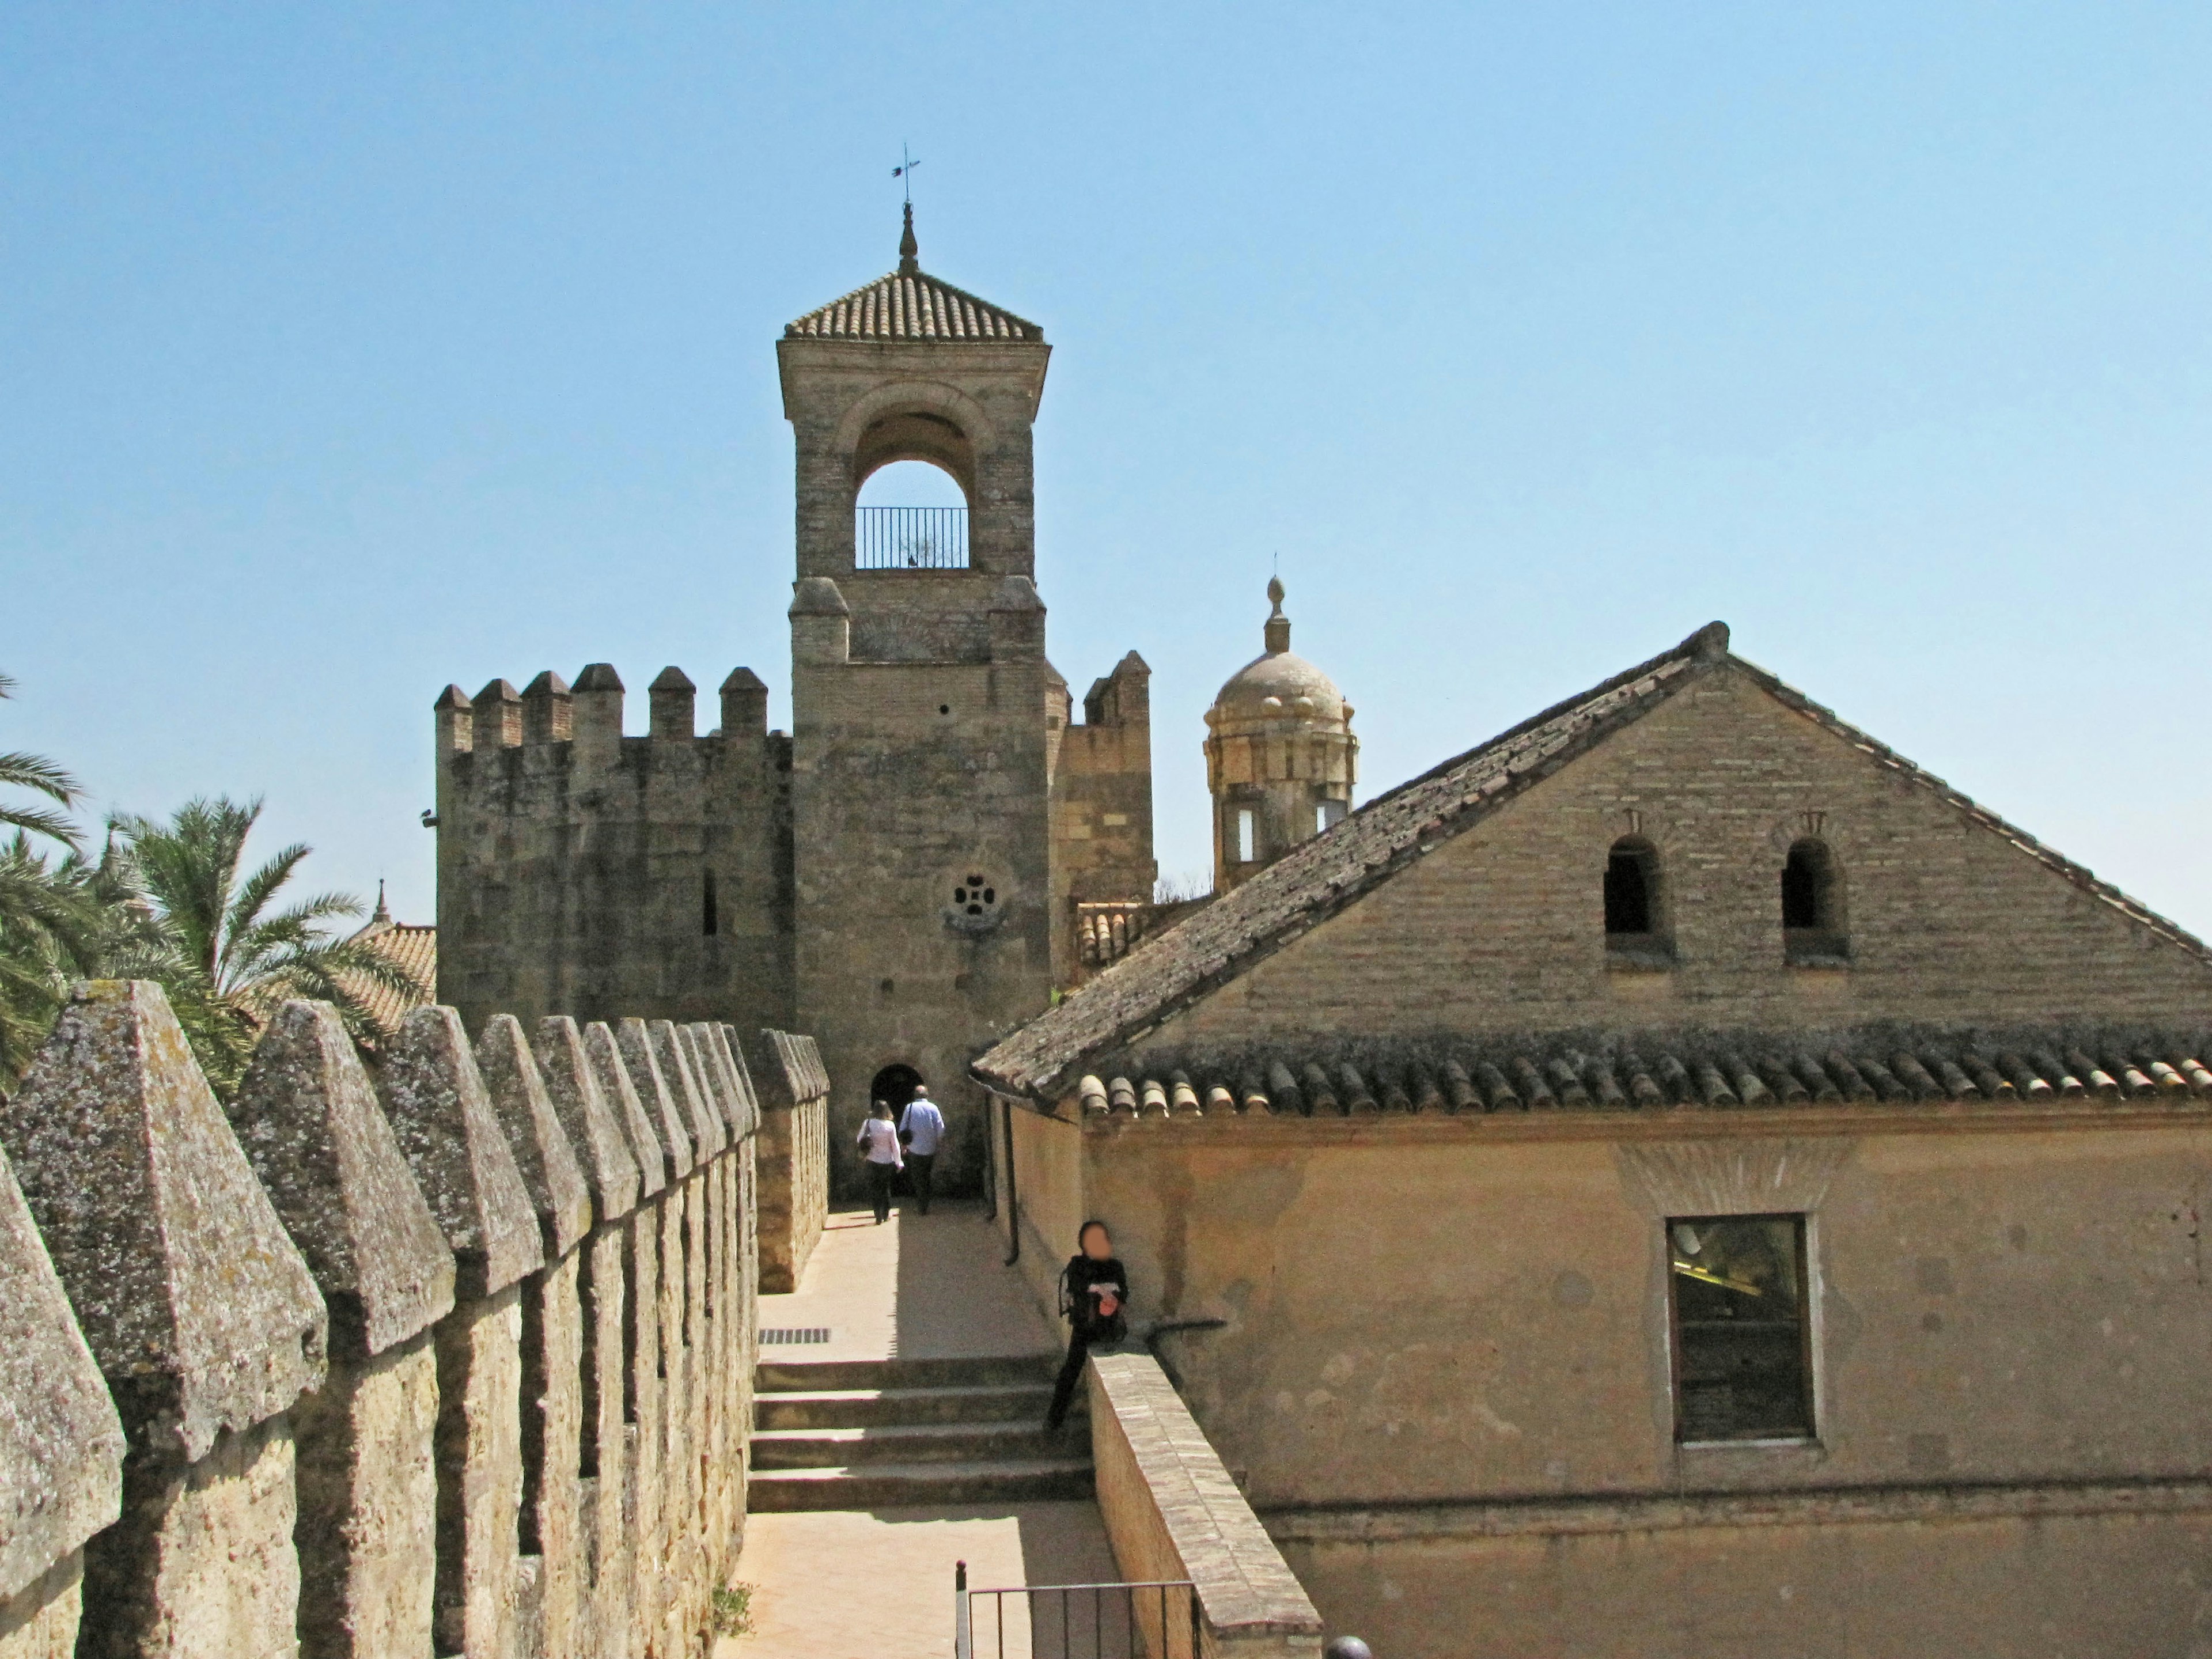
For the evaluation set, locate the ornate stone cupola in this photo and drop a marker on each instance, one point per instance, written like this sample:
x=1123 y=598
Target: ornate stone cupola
x=1280 y=758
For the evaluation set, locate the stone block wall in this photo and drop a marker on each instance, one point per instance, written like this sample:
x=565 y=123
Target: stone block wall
x=455 y=1359
x=1102 y=806
x=584 y=872
x=793 y=1162
x=1173 y=1513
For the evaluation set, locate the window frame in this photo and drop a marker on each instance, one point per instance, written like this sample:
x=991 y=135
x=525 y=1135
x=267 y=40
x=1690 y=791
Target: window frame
x=1654 y=947
x=1827 y=942
x=1808 y=1330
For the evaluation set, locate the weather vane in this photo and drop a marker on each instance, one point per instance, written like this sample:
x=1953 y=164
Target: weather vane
x=905 y=170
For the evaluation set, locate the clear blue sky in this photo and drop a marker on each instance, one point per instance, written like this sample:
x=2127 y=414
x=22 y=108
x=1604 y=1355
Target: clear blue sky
x=345 y=352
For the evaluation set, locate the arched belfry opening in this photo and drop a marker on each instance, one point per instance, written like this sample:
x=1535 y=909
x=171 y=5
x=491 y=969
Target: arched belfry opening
x=911 y=516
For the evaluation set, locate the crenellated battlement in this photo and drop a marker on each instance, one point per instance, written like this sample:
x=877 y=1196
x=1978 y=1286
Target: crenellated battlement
x=581 y=868
x=551 y=711
x=455 y=1357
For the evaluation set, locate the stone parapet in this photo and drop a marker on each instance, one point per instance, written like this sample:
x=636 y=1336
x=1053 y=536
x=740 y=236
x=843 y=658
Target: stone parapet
x=792 y=1156
x=201 y=1315
x=61 y=1445
x=529 y=1438
x=1173 y=1512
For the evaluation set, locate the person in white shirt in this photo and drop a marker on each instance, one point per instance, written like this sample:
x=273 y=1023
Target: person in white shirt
x=879 y=1143
x=921 y=1126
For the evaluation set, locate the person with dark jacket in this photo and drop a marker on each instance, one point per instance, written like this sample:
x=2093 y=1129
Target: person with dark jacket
x=1094 y=1289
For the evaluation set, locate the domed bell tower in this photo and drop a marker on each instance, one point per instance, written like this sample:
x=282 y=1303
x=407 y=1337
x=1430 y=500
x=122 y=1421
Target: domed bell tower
x=1280 y=758
x=920 y=694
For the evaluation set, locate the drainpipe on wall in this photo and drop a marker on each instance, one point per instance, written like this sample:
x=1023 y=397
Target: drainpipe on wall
x=1013 y=1195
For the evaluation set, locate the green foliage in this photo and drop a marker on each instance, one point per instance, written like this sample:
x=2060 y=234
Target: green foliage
x=169 y=901
x=733 y=1610
x=36 y=773
x=238 y=954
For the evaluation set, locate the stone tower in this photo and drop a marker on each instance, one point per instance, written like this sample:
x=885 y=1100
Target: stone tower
x=1280 y=758
x=905 y=875
x=923 y=711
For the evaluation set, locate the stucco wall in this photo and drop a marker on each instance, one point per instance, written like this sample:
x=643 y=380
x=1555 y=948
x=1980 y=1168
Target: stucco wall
x=1504 y=925
x=1049 y=1197
x=1438 y=1317
x=2110 y=1584
x=1417 y=1313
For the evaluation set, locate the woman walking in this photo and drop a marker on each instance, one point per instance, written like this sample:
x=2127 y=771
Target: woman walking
x=879 y=1143
x=1093 y=1290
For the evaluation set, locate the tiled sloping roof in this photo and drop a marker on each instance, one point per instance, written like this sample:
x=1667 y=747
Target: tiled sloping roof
x=1323 y=875
x=1610 y=1071
x=414 y=948
x=912 y=306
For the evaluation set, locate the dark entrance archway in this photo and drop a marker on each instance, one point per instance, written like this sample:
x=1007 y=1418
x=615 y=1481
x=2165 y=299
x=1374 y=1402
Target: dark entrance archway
x=894 y=1085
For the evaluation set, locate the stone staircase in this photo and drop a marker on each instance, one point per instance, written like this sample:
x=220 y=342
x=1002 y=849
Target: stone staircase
x=859 y=1434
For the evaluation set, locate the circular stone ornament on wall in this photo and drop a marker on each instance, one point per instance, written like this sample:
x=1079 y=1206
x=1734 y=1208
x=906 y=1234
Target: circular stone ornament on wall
x=975 y=899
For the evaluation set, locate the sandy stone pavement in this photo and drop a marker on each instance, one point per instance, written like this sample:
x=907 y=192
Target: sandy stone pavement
x=843 y=1585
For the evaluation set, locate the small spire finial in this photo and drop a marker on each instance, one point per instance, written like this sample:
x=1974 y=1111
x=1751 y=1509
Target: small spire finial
x=383 y=911
x=909 y=263
x=1278 y=625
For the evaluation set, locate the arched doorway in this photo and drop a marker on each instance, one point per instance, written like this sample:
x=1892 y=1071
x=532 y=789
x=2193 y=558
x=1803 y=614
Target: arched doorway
x=894 y=1085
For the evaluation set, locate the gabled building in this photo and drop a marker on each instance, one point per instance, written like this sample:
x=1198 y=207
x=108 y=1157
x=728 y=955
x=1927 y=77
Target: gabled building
x=1677 y=1179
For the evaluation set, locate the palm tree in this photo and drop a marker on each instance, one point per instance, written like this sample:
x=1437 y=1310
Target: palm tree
x=48 y=913
x=36 y=772
x=236 y=956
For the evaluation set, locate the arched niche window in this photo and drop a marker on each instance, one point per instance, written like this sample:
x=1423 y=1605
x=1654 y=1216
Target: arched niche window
x=1812 y=905
x=910 y=515
x=1635 y=910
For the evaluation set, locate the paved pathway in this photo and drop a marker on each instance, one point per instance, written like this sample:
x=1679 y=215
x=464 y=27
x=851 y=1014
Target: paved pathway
x=918 y=1287
x=877 y=1585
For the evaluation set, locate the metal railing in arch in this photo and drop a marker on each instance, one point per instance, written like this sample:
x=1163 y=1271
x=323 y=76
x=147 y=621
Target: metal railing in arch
x=910 y=538
x=1156 y=1620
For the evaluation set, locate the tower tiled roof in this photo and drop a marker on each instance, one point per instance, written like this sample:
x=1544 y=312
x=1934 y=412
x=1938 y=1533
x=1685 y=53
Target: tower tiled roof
x=1320 y=877
x=911 y=306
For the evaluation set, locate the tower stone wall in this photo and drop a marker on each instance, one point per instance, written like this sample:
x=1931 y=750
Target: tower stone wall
x=584 y=872
x=921 y=843
x=1102 y=805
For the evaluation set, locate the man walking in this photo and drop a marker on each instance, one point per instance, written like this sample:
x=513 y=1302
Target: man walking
x=921 y=1126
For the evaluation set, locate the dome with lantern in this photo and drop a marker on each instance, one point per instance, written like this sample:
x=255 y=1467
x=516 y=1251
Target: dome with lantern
x=1280 y=758
x=1278 y=684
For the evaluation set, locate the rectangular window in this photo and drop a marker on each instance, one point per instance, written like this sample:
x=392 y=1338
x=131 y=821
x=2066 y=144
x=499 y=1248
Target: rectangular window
x=1327 y=813
x=1743 y=1349
x=1248 y=834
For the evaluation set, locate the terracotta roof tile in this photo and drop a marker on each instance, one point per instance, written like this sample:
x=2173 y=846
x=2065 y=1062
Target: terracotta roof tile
x=413 y=947
x=912 y=306
x=1601 y=1071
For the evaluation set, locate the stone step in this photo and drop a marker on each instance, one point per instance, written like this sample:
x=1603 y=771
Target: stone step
x=810 y=1377
x=878 y=1485
x=914 y=1443
x=855 y=1408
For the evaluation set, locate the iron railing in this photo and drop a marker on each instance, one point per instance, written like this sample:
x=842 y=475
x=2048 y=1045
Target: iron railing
x=1158 y=1620
x=910 y=537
